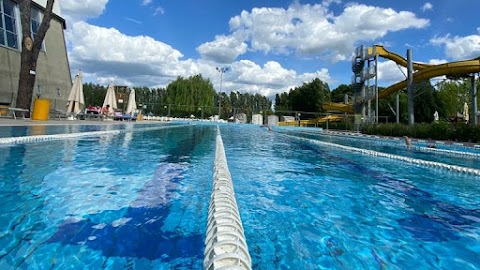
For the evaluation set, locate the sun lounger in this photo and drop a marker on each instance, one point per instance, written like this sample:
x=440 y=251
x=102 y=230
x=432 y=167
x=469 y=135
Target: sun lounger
x=56 y=114
x=14 y=112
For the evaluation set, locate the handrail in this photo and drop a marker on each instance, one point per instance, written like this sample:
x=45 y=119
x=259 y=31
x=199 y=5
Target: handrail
x=225 y=243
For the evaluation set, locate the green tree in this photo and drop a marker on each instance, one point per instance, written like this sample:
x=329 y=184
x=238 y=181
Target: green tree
x=338 y=94
x=425 y=102
x=281 y=103
x=387 y=107
x=187 y=95
x=451 y=97
x=310 y=96
x=94 y=94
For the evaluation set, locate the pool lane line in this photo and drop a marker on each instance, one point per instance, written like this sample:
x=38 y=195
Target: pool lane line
x=421 y=162
x=367 y=136
x=398 y=143
x=225 y=243
x=42 y=138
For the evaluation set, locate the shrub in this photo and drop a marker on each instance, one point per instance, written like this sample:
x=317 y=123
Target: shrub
x=434 y=131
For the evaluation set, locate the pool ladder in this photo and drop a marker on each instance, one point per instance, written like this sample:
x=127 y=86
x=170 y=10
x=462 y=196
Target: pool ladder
x=225 y=243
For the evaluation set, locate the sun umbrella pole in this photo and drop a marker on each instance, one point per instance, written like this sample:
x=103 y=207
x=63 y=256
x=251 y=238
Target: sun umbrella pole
x=474 y=100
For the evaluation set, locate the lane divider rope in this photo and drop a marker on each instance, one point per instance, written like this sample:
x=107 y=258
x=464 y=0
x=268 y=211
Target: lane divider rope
x=225 y=243
x=395 y=142
x=421 y=162
x=42 y=138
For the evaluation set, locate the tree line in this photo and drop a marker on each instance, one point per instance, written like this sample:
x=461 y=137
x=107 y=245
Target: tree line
x=184 y=97
x=196 y=96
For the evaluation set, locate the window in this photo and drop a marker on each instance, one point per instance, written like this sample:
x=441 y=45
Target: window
x=10 y=27
x=8 y=24
x=35 y=19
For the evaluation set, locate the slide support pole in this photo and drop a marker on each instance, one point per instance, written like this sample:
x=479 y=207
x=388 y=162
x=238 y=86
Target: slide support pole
x=411 y=116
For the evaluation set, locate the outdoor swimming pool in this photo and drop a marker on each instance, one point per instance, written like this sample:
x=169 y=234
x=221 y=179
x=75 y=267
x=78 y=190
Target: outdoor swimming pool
x=139 y=199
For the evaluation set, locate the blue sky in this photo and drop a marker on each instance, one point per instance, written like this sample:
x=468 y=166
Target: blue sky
x=270 y=46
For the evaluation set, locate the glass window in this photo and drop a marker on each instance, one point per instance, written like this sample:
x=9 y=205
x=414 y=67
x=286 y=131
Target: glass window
x=35 y=19
x=8 y=24
x=12 y=40
x=2 y=27
x=9 y=8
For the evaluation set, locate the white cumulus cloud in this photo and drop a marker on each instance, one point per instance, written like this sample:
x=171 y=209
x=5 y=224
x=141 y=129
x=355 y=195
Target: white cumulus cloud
x=458 y=47
x=107 y=55
x=389 y=73
x=109 y=52
x=427 y=6
x=74 y=10
x=225 y=49
x=309 y=30
x=269 y=79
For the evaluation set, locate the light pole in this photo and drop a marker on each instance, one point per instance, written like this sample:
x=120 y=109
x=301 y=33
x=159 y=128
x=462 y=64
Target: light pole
x=222 y=70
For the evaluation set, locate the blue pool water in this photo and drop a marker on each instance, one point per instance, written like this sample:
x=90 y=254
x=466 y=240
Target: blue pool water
x=139 y=200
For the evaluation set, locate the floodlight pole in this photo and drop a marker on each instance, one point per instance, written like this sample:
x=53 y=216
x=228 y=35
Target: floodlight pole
x=221 y=70
x=376 y=89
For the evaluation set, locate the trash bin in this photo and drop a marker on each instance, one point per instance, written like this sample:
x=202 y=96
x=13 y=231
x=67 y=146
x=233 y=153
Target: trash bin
x=41 y=107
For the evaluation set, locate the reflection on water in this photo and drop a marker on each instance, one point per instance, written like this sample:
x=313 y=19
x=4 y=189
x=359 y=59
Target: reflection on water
x=38 y=130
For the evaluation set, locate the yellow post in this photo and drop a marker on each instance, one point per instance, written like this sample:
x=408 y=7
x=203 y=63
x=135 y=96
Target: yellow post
x=40 y=109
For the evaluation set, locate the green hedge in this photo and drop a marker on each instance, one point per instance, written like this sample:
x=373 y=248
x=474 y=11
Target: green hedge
x=436 y=131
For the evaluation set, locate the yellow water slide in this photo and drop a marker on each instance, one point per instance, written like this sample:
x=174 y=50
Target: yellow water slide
x=382 y=52
x=448 y=69
x=330 y=118
x=338 y=107
x=423 y=72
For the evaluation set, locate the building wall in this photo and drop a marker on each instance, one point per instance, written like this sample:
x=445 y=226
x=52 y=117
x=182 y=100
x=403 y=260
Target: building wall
x=53 y=70
x=273 y=120
x=257 y=119
x=56 y=6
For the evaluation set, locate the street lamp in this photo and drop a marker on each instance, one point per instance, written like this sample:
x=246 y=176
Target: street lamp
x=222 y=70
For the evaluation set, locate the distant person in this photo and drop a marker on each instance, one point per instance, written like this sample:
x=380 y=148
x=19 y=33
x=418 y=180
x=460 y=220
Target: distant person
x=435 y=117
x=106 y=111
x=267 y=126
x=408 y=142
x=432 y=145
